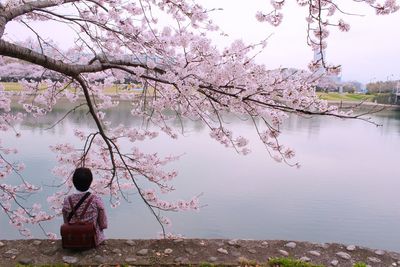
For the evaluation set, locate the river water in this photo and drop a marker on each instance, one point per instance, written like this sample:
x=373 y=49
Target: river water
x=347 y=189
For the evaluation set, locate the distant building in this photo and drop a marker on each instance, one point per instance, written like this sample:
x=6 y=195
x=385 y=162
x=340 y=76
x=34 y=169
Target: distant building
x=328 y=82
x=397 y=93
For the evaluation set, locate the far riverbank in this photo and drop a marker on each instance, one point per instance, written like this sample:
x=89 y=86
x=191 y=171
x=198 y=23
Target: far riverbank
x=360 y=104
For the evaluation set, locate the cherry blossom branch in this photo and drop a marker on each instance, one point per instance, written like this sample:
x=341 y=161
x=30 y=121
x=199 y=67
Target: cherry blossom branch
x=110 y=144
x=65 y=116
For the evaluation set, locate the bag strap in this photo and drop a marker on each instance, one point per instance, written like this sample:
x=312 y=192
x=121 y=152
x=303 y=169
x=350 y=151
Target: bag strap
x=85 y=208
x=74 y=209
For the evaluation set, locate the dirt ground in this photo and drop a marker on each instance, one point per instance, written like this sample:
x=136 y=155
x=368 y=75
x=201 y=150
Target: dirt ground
x=192 y=252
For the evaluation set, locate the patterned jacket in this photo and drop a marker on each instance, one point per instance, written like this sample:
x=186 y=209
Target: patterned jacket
x=95 y=213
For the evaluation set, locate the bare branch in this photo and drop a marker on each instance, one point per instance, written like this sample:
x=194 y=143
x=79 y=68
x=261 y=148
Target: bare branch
x=66 y=115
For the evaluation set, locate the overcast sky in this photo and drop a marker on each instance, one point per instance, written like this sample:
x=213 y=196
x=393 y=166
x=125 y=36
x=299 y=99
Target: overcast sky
x=369 y=52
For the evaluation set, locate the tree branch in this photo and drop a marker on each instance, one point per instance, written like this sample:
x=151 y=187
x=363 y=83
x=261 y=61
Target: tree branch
x=31 y=6
x=15 y=51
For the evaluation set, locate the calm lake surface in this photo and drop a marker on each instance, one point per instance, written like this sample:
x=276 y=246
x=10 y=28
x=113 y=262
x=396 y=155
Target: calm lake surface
x=347 y=189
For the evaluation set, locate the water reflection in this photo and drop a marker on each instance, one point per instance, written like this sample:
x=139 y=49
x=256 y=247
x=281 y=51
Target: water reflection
x=346 y=191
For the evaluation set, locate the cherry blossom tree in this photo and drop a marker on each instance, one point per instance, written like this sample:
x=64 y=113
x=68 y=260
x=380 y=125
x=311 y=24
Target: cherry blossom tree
x=163 y=45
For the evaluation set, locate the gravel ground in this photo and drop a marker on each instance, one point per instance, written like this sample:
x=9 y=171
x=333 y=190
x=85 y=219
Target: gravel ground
x=190 y=252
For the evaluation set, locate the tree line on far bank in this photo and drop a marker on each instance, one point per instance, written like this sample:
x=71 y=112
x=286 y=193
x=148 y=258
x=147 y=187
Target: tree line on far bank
x=383 y=87
x=385 y=92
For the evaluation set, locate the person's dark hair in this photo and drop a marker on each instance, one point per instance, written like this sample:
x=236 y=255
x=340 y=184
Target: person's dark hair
x=82 y=179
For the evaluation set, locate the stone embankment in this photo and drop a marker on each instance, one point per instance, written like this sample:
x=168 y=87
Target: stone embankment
x=191 y=252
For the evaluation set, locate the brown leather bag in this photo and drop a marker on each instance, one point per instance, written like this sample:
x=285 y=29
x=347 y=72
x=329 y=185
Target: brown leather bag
x=80 y=234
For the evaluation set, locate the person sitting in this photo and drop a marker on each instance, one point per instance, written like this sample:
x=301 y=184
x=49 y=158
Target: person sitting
x=82 y=179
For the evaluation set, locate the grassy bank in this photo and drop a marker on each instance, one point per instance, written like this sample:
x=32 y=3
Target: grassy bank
x=137 y=89
x=11 y=86
x=345 y=97
x=117 y=88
